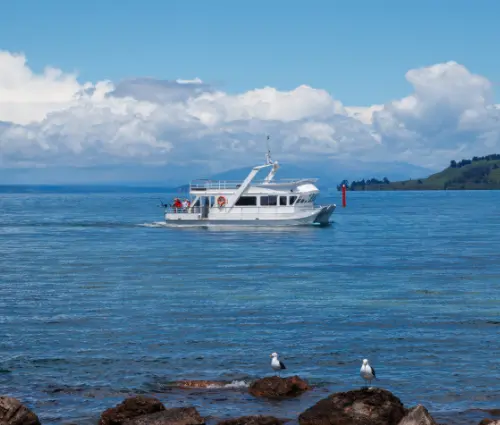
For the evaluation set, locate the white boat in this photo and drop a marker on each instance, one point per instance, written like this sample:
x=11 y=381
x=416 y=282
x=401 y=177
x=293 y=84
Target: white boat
x=255 y=203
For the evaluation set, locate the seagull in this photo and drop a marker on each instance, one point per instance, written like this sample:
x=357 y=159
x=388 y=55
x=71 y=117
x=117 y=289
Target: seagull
x=277 y=364
x=367 y=372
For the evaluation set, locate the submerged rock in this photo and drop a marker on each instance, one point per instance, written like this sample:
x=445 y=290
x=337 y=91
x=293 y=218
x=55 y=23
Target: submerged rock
x=253 y=420
x=419 y=415
x=276 y=387
x=201 y=384
x=130 y=408
x=13 y=412
x=359 y=407
x=175 y=416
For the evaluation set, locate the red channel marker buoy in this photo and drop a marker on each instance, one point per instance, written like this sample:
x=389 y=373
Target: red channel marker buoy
x=343 y=196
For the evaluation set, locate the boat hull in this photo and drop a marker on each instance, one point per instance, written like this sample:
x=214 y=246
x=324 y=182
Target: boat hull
x=320 y=216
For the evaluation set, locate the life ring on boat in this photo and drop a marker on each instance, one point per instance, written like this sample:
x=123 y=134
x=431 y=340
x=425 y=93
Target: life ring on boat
x=221 y=201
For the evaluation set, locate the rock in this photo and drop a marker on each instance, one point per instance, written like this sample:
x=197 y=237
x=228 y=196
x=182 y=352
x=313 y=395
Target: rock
x=494 y=412
x=253 y=420
x=276 y=387
x=13 y=412
x=175 y=416
x=489 y=421
x=131 y=408
x=359 y=407
x=419 y=415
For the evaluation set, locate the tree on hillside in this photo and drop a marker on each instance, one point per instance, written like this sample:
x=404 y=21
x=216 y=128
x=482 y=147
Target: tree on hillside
x=346 y=182
x=464 y=162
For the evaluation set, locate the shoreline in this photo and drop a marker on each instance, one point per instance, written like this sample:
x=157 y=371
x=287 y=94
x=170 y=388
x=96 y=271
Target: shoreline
x=221 y=396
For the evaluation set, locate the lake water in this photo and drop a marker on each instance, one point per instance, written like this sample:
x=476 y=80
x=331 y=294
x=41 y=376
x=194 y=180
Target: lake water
x=98 y=302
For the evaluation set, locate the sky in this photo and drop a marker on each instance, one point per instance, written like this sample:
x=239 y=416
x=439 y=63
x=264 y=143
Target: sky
x=99 y=82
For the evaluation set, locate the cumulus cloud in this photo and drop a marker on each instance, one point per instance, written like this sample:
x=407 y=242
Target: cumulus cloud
x=451 y=113
x=52 y=118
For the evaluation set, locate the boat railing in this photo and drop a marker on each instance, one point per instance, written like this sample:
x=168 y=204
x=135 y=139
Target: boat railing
x=200 y=185
x=215 y=184
x=182 y=210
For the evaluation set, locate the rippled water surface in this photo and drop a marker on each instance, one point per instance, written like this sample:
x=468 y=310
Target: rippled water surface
x=98 y=302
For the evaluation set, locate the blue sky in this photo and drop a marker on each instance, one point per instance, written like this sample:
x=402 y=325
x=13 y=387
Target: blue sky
x=357 y=50
x=374 y=81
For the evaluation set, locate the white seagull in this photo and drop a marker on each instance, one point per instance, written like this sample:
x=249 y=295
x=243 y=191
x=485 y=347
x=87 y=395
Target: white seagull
x=367 y=372
x=276 y=364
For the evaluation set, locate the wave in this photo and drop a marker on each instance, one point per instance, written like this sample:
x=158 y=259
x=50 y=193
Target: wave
x=212 y=385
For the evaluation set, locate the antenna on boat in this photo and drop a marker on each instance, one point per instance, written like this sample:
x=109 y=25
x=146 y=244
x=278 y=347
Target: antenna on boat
x=268 y=154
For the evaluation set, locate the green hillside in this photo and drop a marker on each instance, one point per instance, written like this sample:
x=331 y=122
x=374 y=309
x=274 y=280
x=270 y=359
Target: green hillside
x=478 y=173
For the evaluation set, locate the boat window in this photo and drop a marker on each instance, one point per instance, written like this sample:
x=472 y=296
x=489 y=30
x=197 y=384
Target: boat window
x=282 y=200
x=246 y=201
x=268 y=201
x=292 y=200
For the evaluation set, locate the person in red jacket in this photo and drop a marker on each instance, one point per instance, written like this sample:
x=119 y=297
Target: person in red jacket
x=177 y=203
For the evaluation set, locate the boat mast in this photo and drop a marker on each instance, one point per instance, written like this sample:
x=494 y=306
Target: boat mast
x=269 y=161
x=247 y=182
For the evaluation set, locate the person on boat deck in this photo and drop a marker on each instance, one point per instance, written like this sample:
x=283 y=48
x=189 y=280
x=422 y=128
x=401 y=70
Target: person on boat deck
x=185 y=204
x=177 y=203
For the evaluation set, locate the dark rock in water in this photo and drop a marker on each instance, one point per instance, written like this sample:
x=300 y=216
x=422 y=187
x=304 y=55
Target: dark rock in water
x=13 y=412
x=175 y=416
x=276 y=387
x=490 y=421
x=359 y=407
x=419 y=415
x=253 y=420
x=131 y=408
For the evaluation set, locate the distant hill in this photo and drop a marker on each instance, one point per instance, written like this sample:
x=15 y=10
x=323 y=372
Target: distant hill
x=328 y=172
x=478 y=173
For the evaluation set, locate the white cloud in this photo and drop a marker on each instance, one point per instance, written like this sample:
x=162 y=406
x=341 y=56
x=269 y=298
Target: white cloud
x=52 y=118
x=363 y=114
x=194 y=81
x=450 y=113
